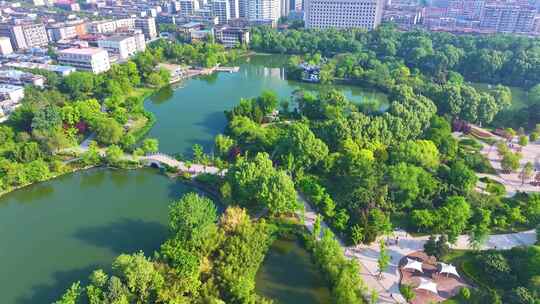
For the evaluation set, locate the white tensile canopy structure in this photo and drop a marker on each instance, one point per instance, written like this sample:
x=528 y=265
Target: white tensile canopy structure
x=413 y=264
x=448 y=269
x=427 y=285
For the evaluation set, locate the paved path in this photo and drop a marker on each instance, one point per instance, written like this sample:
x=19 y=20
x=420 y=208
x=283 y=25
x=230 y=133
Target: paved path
x=388 y=286
x=512 y=181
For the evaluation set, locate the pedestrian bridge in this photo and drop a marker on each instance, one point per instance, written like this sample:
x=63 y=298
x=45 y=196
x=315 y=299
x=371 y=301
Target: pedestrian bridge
x=160 y=159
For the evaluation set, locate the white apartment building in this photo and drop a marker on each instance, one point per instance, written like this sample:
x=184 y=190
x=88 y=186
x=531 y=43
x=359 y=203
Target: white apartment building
x=35 y=35
x=147 y=26
x=264 y=11
x=366 y=14
x=126 y=23
x=222 y=10
x=5 y=46
x=102 y=27
x=95 y=60
x=24 y=36
x=123 y=46
x=188 y=7
x=234 y=7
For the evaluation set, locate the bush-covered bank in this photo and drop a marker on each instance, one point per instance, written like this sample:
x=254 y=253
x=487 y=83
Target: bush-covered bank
x=503 y=276
x=440 y=62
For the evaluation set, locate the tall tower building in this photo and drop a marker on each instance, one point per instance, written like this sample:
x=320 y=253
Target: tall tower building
x=264 y=11
x=221 y=9
x=234 y=7
x=366 y=14
x=285 y=7
x=243 y=8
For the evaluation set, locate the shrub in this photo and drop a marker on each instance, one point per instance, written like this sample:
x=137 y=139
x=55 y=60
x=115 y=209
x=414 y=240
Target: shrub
x=465 y=293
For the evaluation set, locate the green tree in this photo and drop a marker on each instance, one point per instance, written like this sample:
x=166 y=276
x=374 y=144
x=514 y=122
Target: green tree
x=91 y=156
x=80 y=85
x=114 y=154
x=150 y=145
x=71 y=296
x=453 y=217
x=37 y=171
x=141 y=277
x=223 y=145
x=407 y=292
x=300 y=143
x=384 y=258
x=523 y=140
x=108 y=131
x=510 y=162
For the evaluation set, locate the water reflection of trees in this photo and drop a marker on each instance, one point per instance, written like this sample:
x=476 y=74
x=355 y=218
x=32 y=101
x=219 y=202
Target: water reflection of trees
x=163 y=95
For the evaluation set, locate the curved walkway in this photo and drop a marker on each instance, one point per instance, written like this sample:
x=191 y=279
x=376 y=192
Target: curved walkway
x=181 y=166
x=388 y=286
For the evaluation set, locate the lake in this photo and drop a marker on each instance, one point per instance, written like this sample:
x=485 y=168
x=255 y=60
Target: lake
x=289 y=276
x=57 y=232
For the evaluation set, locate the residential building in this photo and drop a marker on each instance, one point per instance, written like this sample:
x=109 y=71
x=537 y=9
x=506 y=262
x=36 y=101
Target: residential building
x=11 y=92
x=297 y=5
x=232 y=36
x=61 y=70
x=102 y=27
x=234 y=6
x=60 y=31
x=285 y=6
x=35 y=35
x=222 y=10
x=15 y=34
x=366 y=14
x=16 y=77
x=121 y=45
x=508 y=18
x=68 y=5
x=263 y=11
x=242 y=8
x=95 y=60
x=188 y=7
x=125 y=23
x=10 y=97
x=24 y=36
x=148 y=27
x=5 y=46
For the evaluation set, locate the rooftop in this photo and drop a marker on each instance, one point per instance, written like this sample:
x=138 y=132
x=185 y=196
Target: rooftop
x=82 y=51
x=6 y=88
x=115 y=38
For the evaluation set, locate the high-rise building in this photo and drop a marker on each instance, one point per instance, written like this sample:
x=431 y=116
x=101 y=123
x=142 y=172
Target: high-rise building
x=147 y=26
x=222 y=10
x=508 y=18
x=366 y=14
x=243 y=8
x=264 y=11
x=285 y=6
x=188 y=7
x=296 y=5
x=234 y=6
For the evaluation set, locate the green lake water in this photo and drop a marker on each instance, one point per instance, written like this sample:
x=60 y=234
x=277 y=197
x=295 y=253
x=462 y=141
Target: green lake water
x=57 y=232
x=288 y=276
x=194 y=114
